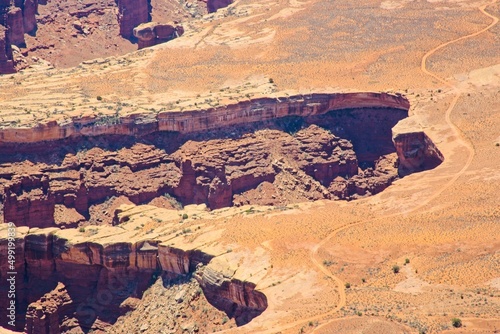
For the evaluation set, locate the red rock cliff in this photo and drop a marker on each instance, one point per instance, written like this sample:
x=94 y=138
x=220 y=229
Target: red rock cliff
x=131 y=13
x=257 y=110
x=86 y=280
x=416 y=151
x=6 y=61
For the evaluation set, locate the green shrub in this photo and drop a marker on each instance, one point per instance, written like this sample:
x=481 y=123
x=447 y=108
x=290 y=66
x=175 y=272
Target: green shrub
x=348 y=285
x=456 y=322
x=395 y=269
x=185 y=216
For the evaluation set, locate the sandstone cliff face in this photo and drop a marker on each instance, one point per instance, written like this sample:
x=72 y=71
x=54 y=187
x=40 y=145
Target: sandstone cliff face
x=16 y=19
x=45 y=315
x=263 y=167
x=238 y=299
x=132 y=13
x=416 y=151
x=257 y=110
x=6 y=61
x=62 y=278
x=283 y=159
x=15 y=24
x=29 y=10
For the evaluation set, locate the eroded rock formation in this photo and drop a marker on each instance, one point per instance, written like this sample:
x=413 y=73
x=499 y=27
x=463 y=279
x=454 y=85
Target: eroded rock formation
x=286 y=158
x=16 y=19
x=46 y=314
x=153 y=33
x=132 y=13
x=190 y=121
x=237 y=298
x=84 y=281
x=415 y=149
x=6 y=60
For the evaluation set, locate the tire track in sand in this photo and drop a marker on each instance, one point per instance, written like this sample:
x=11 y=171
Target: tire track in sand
x=458 y=134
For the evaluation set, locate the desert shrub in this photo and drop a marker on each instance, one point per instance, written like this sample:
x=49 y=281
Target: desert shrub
x=185 y=216
x=348 y=285
x=456 y=322
x=327 y=263
x=395 y=269
x=407 y=261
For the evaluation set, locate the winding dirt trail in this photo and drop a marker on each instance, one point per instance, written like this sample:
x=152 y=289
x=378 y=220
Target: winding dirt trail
x=467 y=144
x=464 y=142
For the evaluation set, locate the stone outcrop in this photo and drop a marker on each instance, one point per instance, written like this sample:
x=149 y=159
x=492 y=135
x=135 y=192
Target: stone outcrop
x=16 y=19
x=6 y=60
x=256 y=110
x=30 y=8
x=237 y=298
x=15 y=24
x=132 y=13
x=45 y=315
x=214 y=5
x=416 y=151
x=294 y=155
x=216 y=172
x=63 y=274
x=152 y=33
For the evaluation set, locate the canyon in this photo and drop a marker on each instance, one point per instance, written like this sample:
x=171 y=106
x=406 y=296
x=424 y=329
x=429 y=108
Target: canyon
x=71 y=279
x=263 y=151
x=96 y=28
x=294 y=167
x=72 y=202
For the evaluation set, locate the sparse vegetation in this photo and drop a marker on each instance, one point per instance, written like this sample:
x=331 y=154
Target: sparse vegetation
x=456 y=322
x=327 y=263
x=348 y=285
x=395 y=269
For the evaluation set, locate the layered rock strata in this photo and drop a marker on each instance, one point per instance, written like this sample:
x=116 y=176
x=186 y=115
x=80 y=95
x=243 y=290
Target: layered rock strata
x=46 y=314
x=277 y=161
x=251 y=111
x=86 y=277
x=416 y=151
x=16 y=19
x=237 y=298
x=264 y=167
